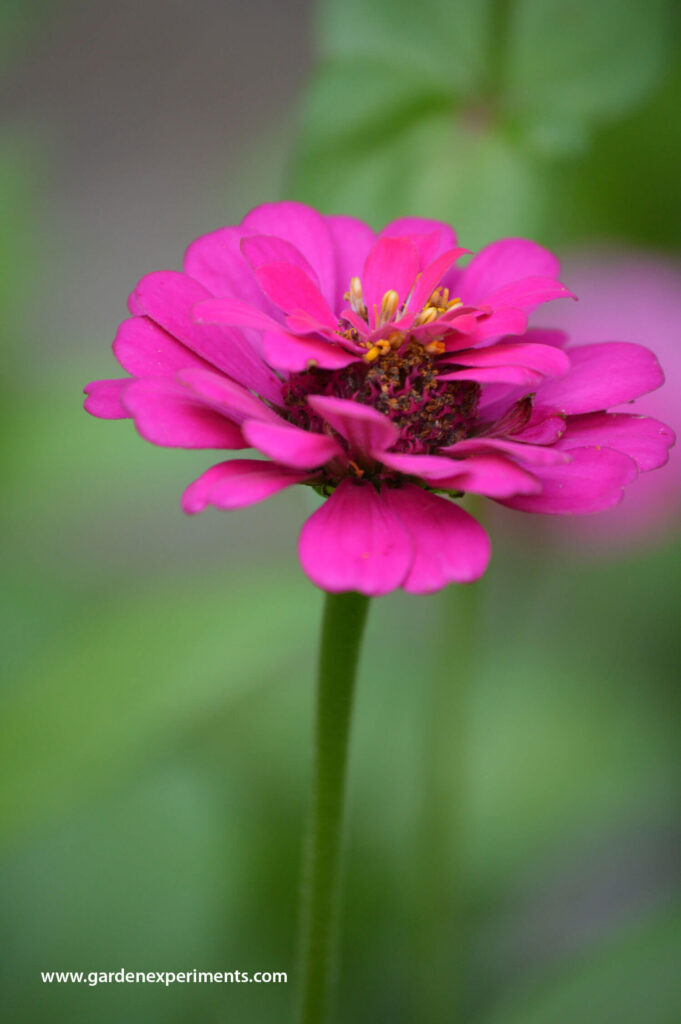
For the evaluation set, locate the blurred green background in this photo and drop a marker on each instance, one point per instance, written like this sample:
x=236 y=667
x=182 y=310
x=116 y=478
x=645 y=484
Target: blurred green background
x=158 y=689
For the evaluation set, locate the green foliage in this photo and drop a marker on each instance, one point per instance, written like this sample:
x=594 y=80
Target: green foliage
x=121 y=679
x=453 y=109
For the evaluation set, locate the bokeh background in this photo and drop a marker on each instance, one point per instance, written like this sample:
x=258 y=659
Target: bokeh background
x=158 y=689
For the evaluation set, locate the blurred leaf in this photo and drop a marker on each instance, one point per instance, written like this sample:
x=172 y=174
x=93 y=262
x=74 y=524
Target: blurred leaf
x=570 y=62
x=405 y=153
x=449 y=109
x=134 y=670
x=440 y=41
x=626 y=188
x=630 y=980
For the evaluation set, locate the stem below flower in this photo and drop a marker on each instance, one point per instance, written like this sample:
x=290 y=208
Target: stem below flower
x=342 y=629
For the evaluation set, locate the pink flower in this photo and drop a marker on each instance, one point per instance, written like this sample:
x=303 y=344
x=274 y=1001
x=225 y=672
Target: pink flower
x=373 y=369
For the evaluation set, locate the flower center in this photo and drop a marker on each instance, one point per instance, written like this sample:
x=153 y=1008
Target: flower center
x=438 y=303
x=404 y=385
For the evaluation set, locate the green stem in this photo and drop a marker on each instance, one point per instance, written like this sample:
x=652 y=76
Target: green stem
x=441 y=941
x=342 y=629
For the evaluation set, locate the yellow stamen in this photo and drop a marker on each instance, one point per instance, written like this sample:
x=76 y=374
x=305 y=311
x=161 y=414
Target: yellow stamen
x=427 y=315
x=355 y=296
x=373 y=354
x=435 y=348
x=389 y=305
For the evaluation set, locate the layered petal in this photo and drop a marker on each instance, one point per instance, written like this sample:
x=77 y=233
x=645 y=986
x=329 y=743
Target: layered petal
x=223 y=394
x=306 y=229
x=291 y=446
x=532 y=454
x=488 y=474
x=104 y=399
x=392 y=265
x=235 y=313
x=601 y=376
x=527 y=293
x=502 y=263
x=261 y=249
x=238 y=483
x=593 y=480
x=356 y=542
x=545 y=359
x=145 y=350
x=367 y=431
x=166 y=414
x=642 y=438
x=431 y=237
x=431 y=277
x=291 y=289
x=291 y=353
x=168 y=299
x=450 y=546
x=216 y=261
x=352 y=239
x=520 y=375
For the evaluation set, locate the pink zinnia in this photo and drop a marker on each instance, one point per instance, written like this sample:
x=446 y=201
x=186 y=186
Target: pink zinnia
x=371 y=368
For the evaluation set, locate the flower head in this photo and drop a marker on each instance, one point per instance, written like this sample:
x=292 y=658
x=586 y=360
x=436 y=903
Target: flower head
x=376 y=370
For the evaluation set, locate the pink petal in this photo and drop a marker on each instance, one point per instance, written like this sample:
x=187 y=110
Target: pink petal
x=502 y=263
x=392 y=265
x=497 y=374
x=449 y=545
x=591 y=482
x=234 y=313
x=426 y=467
x=287 y=352
x=356 y=321
x=145 y=350
x=104 y=399
x=499 y=323
x=491 y=474
x=431 y=237
x=261 y=249
x=134 y=306
x=167 y=415
x=545 y=359
x=291 y=289
x=355 y=542
x=532 y=454
x=168 y=298
x=229 y=398
x=352 y=239
x=215 y=260
x=601 y=376
x=238 y=483
x=527 y=293
x=544 y=427
x=431 y=277
x=368 y=431
x=291 y=446
x=642 y=438
x=304 y=228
